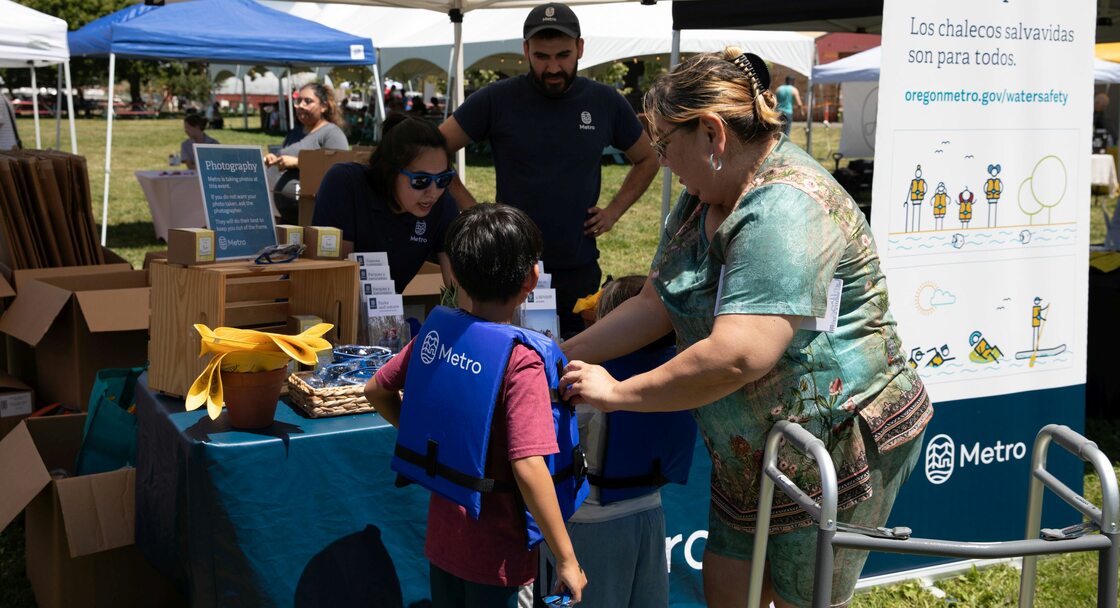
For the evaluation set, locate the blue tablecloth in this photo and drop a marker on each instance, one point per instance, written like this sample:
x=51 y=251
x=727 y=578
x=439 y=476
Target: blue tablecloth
x=301 y=513
x=293 y=515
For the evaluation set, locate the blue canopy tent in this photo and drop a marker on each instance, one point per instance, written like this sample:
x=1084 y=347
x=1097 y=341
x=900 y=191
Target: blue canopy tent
x=235 y=31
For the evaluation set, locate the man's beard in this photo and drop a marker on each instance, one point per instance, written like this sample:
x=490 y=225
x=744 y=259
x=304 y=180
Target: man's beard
x=554 y=89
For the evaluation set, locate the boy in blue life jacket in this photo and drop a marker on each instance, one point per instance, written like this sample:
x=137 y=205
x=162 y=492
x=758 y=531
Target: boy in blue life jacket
x=479 y=428
x=619 y=531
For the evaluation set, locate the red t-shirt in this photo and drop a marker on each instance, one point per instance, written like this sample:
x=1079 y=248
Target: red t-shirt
x=492 y=549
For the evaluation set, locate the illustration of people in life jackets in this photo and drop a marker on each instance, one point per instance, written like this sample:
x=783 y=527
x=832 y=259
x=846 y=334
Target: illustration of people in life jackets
x=993 y=188
x=964 y=199
x=940 y=206
x=916 y=356
x=913 y=205
x=1038 y=323
x=982 y=351
x=939 y=356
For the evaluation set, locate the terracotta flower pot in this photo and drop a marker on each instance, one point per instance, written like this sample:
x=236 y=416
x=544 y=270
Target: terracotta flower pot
x=251 y=397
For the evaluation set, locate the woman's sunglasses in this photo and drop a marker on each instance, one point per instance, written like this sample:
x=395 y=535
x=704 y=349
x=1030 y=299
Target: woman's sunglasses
x=421 y=180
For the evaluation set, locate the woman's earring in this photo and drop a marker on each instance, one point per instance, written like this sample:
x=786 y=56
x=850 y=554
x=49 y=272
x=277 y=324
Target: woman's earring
x=715 y=163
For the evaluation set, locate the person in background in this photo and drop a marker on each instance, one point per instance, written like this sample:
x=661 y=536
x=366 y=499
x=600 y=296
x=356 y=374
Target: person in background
x=214 y=116
x=548 y=129
x=399 y=203
x=619 y=532
x=436 y=109
x=788 y=96
x=194 y=125
x=485 y=561
x=748 y=254
x=9 y=135
x=320 y=126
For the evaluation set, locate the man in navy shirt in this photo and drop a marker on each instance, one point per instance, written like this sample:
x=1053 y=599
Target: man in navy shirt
x=548 y=129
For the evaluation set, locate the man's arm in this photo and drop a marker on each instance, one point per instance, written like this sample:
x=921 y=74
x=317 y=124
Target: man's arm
x=457 y=139
x=797 y=99
x=644 y=168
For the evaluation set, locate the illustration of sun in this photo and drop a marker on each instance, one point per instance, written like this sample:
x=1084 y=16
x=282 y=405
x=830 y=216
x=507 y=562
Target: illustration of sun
x=923 y=296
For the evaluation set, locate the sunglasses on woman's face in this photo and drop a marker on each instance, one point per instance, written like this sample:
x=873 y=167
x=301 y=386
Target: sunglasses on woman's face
x=421 y=180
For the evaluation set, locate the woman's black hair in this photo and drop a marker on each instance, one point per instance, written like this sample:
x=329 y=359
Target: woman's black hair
x=492 y=249
x=403 y=138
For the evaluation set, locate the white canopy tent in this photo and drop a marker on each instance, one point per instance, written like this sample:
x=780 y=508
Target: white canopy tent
x=30 y=39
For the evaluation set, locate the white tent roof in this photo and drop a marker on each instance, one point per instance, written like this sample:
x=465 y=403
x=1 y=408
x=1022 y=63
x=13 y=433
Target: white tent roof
x=613 y=31
x=865 y=67
x=28 y=37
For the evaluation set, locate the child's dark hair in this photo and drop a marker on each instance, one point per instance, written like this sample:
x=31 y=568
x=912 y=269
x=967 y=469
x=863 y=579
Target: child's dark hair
x=493 y=248
x=403 y=139
x=197 y=121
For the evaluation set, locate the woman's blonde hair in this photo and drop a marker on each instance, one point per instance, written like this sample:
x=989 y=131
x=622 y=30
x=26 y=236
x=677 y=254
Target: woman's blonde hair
x=732 y=85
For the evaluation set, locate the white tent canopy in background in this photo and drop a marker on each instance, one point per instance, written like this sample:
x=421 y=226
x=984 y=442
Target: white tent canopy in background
x=30 y=39
x=613 y=31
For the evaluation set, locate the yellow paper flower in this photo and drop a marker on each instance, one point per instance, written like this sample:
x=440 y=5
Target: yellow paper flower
x=247 y=350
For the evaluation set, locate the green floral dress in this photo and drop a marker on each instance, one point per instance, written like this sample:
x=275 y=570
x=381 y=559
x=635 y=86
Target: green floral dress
x=776 y=254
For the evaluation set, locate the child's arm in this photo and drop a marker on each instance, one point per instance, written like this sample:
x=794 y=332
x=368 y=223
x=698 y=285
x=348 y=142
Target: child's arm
x=539 y=494
x=386 y=402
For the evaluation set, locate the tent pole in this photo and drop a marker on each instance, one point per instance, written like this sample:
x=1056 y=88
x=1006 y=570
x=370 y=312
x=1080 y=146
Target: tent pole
x=244 y=99
x=450 y=81
x=809 y=120
x=457 y=18
x=35 y=108
x=288 y=99
x=58 y=109
x=281 y=107
x=70 y=111
x=379 y=114
x=666 y=176
x=108 y=150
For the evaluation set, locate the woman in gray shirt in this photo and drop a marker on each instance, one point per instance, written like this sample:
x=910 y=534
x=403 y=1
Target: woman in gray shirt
x=319 y=127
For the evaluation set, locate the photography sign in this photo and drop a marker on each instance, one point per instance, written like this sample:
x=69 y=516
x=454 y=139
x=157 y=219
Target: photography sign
x=237 y=199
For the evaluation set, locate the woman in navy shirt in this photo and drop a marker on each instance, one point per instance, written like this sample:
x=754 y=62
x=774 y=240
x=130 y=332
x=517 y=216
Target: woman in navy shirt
x=398 y=204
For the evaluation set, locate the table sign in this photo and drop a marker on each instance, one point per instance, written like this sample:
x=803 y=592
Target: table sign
x=237 y=199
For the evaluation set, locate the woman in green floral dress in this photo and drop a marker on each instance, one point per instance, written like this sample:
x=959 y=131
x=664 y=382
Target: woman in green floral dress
x=745 y=264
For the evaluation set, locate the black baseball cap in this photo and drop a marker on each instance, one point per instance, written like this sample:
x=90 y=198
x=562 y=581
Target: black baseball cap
x=552 y=16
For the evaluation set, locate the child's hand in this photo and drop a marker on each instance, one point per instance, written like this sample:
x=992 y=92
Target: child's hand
x=570 y=576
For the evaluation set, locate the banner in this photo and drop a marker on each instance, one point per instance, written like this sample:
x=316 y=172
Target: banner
x=237 y=199
x=981 y=219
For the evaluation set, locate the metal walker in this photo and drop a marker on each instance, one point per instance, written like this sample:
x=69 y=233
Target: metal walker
x=832 y=534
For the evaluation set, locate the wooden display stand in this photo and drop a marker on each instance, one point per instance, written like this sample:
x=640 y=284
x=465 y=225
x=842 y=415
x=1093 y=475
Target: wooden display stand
x=244 y=295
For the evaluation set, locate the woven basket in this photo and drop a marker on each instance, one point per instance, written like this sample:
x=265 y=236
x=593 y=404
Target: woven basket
x=329 y=401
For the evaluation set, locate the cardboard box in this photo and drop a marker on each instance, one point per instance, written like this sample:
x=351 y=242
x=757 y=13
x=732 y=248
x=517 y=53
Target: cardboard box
x=80 y=530
x=313 y=165
x=323 y=243
x=17 y=401
x=424 y=289
x=80 y=320
x=190 y=246
x=289 y=234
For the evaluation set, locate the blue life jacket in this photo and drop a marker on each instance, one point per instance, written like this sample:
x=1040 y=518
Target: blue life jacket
x=644 y=450
x=450 y=393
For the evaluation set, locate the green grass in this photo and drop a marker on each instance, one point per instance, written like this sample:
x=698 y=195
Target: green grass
x=144 y=145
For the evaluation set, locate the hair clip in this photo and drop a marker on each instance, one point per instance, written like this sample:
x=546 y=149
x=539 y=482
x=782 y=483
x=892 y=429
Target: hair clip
x=755 y=69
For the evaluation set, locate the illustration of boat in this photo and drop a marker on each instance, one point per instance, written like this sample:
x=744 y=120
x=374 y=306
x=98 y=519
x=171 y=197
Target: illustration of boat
x=1042 y=352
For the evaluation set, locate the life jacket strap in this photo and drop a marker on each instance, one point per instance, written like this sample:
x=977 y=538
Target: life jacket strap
x=433 y=468
x=654 y=478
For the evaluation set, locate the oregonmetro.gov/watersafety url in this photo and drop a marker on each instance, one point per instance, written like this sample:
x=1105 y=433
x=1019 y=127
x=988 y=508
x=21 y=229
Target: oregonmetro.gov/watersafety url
x=926 y=97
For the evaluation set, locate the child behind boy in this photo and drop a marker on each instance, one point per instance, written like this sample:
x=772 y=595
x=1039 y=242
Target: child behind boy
x=480 y=554
x=620 y=530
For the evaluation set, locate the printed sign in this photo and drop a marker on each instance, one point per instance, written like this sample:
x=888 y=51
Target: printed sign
x=237 y=199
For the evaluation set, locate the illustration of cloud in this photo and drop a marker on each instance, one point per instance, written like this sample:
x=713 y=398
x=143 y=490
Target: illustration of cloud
x=942 y=298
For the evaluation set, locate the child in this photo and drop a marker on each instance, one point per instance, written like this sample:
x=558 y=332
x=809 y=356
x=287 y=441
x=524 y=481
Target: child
x=480 y=543
x=620 y=530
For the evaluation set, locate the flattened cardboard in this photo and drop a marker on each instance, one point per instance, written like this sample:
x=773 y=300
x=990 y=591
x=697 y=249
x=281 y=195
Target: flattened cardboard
x=6 y=290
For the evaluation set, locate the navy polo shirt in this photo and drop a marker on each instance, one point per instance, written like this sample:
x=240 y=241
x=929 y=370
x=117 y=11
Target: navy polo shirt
x=548 y=154
x=347 y=201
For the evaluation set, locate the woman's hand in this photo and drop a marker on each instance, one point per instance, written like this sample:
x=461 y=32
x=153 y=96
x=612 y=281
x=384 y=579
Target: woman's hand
x=591 y=384
x=284 y=162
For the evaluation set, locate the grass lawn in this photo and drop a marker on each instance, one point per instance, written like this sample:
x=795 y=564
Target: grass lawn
x=628 y=249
